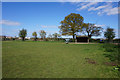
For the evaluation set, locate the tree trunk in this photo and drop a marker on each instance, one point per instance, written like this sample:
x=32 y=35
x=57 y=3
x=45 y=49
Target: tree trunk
x=23 y=38
x=88 y=40
x=35 y=39
x=74 y=37
x=89 y=37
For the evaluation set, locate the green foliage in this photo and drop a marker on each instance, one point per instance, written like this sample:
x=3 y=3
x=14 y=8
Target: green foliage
x=71 y=24
x=56 y=35
x=50 y=36
x=4 y=38
x=113 y=55
x=46 y=39
x=35 y=35
x=72 y=40
x=42 y=34
x=23 y=34
x=91 y=30
x=94 y=40
x=109 y=34
x=113 y=51
x=116 y=41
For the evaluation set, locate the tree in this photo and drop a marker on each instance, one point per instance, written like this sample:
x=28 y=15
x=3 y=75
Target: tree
x=71 y=24
x=109 y=34
x=50 y=36
x=23 y=34
x=4 y=38
x=35 y=35
x=91 y=30
x=42 y=34
x=56 y=35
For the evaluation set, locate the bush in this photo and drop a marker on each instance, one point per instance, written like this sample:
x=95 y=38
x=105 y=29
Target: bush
x=113 y=51
x=62 y=40
x=116 y=41
x=72 y=40
x=46 y=39
x=96 y=40
x=109 y=47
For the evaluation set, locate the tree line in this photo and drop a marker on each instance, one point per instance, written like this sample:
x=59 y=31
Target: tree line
x=23 y=34
x=72 y=24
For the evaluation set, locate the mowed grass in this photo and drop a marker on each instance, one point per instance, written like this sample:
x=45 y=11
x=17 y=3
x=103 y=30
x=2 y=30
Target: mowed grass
x=53 y=60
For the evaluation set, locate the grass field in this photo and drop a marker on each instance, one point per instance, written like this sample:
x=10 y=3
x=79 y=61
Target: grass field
x=54 y=60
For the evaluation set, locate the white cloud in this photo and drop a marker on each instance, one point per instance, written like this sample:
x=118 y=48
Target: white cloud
x=113 y=11
x=60 y=0
x=97 y=8
x=84 y=6
x=107 y=8
x=45 y=26
x=99 y=25
x=88 y=0
x=9 y=23
x=109 y=11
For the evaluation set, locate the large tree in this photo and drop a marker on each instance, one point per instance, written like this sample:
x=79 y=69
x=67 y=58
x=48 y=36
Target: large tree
x=35 y=35
x=91 y=30
x=109 y=34
x=23 y=34
x=42 y=34
x=71 y=24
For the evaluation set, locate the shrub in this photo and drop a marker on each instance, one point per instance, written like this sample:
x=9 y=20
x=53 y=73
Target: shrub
x=46 y=39
x=113 y=51
x=72 y=40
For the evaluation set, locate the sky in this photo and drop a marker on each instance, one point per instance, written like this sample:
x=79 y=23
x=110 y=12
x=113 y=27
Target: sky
x=36 y=16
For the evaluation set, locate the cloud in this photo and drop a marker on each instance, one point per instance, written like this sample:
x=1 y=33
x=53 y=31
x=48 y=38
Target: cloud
x=60 y=0
x=84 y=6
x=88 y=0
x=99 y=25
x=9 y=23
x=97 y=8
x=51 y=32
x=112 y=11
x=108 y=8
x=46 y=26
x=109 y=11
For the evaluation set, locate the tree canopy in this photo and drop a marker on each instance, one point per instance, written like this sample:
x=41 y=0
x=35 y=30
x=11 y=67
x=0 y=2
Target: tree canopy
x=50 y=36
x=109 y=34
x=91 y=30
x=71 y=24
x=35 y=35
x=56 y=35
x=23 y=34
x=42 y=34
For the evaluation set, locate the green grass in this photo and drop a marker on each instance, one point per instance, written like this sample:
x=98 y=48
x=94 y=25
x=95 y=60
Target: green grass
x=53 y=60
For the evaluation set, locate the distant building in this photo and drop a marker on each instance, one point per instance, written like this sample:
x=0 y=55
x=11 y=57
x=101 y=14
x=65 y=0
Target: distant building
x=9 y=37
x=2 y=38
x=82 y=38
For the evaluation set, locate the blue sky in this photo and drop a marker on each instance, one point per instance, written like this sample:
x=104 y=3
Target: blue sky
x=36 y=16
